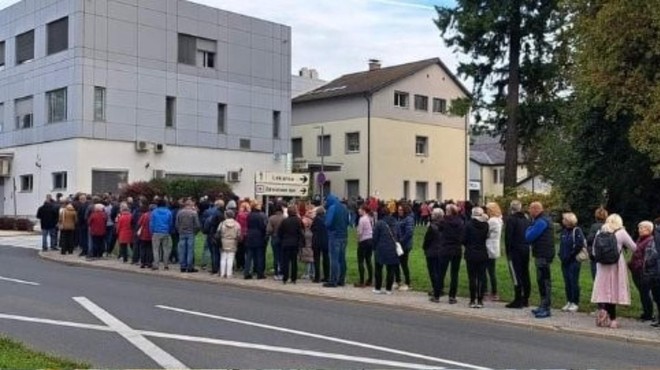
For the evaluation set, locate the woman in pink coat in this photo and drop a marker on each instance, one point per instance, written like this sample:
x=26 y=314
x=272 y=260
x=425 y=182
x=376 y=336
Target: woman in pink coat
x=611 y=283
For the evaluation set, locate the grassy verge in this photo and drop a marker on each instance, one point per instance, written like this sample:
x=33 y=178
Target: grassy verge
x=421 y=282
x=14 y=355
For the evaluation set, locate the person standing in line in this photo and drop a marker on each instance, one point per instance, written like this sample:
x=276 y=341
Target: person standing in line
x=96 y=223
x=432 y=246
x=272 y=229
x=571 y=243
x=68 y=221
x=600 y=216
x=307 y=252
x=291 y=235
x=111 y=212
x=161 y=225
x=494 y=214
x=365 y=246
x=124 y=231
x=320 y=246
x=450 y=255
x=241 y=218
x=175 y=206
x=48 y=216
x=82 y=227
x=636 y=266
x=405 y=230
x=229 y=235
x=255 y=243
x=540 y=235
x=208 y=209
x=214 y=221
x=476 y=255
x=385 y=251
x=336 y=221
x=517 y=253
x=187 y=226
x=143 y=246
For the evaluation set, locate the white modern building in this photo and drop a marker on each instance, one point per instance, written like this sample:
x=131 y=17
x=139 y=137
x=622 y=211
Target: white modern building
x=98 y=93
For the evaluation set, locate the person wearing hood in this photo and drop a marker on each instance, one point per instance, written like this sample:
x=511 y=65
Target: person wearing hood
x=517 y=253
x=336 y=220
x=476 y=255
x=229 y=235
x=432 y=246
x=450 y=253
x=67 y=221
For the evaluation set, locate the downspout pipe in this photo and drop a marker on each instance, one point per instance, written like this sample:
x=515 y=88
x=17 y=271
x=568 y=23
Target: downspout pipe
x=367 y=97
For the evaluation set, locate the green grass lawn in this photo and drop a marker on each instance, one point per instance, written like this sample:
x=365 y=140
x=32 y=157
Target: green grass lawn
x=421 y=282
x=14 y=355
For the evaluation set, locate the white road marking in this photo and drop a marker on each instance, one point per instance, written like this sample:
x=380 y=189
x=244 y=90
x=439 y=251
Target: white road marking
x=323 y=337
x=156 y=353
x=55 y=322
x=17 y=281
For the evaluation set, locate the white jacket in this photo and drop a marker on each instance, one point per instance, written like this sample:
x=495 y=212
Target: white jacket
x=494 y=237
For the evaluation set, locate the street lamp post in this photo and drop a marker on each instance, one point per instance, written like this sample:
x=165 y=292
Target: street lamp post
x=322 y=174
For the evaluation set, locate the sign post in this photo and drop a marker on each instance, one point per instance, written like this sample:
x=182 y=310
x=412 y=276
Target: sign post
x=281 y=184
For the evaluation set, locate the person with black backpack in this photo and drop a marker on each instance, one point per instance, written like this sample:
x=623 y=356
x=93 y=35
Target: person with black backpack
x=611 y=284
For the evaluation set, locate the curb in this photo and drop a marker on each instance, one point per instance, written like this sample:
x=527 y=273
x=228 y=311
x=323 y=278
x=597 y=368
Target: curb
x=236 y=283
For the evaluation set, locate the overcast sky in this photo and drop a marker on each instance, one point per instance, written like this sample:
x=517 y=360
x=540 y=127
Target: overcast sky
x=340 y=36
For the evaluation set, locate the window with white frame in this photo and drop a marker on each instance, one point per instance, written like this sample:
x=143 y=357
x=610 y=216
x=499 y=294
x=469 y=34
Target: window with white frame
x=99 y=103
x=24 y=112
x=439 y=105
x=421 y=102
x=421 y=146
x=26 y=183
x=197 y=51
x=401 y=99
x=59 y=180
x=56 y=105
x=352 y=142
x=498 y=175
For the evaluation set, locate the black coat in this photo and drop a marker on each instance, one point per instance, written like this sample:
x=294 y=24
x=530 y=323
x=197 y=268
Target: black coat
x=49 y=216
x=291 y=233
x=256 y=230
x=476 y=233
x=515 y=227
x=319 y=233
x=433 y=240
x=453 y=230
x=384 y=242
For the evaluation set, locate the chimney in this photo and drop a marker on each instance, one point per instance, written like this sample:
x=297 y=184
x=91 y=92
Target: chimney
x=374 y=64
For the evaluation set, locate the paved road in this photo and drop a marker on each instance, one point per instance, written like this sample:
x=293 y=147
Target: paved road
x=120 y=325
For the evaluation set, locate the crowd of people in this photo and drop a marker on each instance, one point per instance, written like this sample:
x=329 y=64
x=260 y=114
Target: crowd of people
x=158 y=233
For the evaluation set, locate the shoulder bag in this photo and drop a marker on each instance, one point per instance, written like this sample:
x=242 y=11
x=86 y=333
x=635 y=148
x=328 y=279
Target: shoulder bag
x=399 y=248
x=583 y=254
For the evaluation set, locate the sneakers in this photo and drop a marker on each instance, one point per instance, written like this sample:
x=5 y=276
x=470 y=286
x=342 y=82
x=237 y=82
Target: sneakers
x=452 y=300
x=479 y=304
x=434 y=300
x=566 y=307
x=573 y=308
x=473 y=304
x=543 y=314
x=404 y=288
x=377 y=291
x=388 y=292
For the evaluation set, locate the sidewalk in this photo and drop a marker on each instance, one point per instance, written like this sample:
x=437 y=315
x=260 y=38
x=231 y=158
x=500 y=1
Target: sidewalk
x=576 y=323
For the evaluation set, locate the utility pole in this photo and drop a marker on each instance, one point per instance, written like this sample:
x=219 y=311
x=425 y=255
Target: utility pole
x=322 y=162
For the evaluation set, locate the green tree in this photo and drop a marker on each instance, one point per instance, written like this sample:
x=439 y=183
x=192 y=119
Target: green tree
x=511 y=44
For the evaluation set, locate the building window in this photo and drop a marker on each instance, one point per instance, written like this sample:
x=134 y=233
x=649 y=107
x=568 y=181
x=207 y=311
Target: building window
x=276 y=124
x=323 y=146
x=56 y=101
x=59 y=180
x=421 y=189
x=406 y=189
x=438 y=191
x=2 y=117
x=353 y=142
x=108 y=181
x=99 y=103
x=421 y=145
x=24 y=110
x=197 y=51
x=222 y=118
x=26 y=183
x=439 y=105
x=25 y=47
x=297 y=147
x=498 y=175
x=352 y=189
x=2 y=54
x=401 y=99
x=58 y=36
x=244 y=144
x=170 y=111
x=421 y=102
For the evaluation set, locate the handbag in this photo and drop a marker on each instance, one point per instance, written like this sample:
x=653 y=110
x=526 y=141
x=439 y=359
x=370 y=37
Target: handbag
x=583 y=254
x=399 y=248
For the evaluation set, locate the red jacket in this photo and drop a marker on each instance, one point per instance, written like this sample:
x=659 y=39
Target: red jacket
x=97 y=222
x=124 y=230
x=143 y=224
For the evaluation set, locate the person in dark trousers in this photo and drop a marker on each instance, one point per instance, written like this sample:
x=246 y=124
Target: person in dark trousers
x=274 y=223
x=365 y=246
x=292 y=239
x=405 y=228
x=146 y=256
x=600 y=216
x=136 y=215
x=48 y=216
x=517 y=253
x=385 y=251
x=97 y=228
x=255 y=243
x=432 y=246
x=83 y=229
x=540 y=235
x=476 y=255
x=570 y=244
x=212 y=223
x=68 y=219
x=636 y=266
x=320 y=246
x=450 y=254
x=174 y=254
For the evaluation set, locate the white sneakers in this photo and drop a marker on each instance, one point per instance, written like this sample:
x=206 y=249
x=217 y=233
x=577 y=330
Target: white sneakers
x=565 y=308
x=404 y=288
x=378 y=291
x=570 y=307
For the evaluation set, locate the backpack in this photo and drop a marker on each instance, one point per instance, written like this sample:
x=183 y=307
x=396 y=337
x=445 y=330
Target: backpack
x=651 y=267
x=605 y=249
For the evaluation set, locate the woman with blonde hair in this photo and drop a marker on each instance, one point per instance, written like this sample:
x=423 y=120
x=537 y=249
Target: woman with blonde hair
x=611 y=284
x=495 y=222
x=571 y=242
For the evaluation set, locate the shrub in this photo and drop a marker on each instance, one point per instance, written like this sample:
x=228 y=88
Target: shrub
x=20 y=224
x=143 y=188
x=178 y=188
x=553 y=203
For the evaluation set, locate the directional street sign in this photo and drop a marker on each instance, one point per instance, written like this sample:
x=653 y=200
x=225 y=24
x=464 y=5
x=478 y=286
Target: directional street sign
x=281 y=190
x=281 y=178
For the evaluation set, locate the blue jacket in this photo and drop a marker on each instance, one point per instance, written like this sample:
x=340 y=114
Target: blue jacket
x=569 y=248
x=336 y=219
x=161 y=221
x=404 y=231
x=384 y=241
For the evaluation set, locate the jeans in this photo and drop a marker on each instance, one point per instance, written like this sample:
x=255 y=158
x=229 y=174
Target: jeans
x=477 y=279
x=644 y=294
x=389 y=279
x=520 y=264
x=277 y=255
x=445 y=262
x=215 y=254
x=83 y=240
x=162 y=245
x=45 y=233
x=433 y=267
x=227 y=263
x=403 y=264
x=289 y=263
x=571 y=272
x=491 y=276
x=186 y=251
x=254 y=259
x=544 y=281
x=337 y=251
x=318 y=254
x=364 y=251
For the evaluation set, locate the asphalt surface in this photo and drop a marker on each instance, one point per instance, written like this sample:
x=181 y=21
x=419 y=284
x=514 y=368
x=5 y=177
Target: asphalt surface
x=132 y=299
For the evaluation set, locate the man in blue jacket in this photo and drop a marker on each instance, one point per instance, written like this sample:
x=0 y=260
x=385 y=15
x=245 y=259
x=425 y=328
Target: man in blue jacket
x=161 y=225
x=336 y=221
x=540 y=235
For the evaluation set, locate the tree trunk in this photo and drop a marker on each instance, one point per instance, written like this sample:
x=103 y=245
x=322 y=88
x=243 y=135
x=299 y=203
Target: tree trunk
x=512 y=101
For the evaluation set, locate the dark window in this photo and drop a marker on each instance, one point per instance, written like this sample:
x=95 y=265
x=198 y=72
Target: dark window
x=353 y=142
x=421 y=145
x=2 y=53
x=59 y=180
x=438 y=191
x=244 y=144
x=352 y=188
x=222 y=118
x=99 y=103
x=406 y=189
x=58 y=36
x=276 y=124
x=196 y=51
x=421 y=102
x=297 y=147
x=323 y=146
x=401 y=99
x=2 y=117
x=421 y=189
x=25 y=47
x=108 y=181
x=170 y=111
x=187 y=49
x=23 y=109
x=439 y=105
x=56 y=101
x=26 y=183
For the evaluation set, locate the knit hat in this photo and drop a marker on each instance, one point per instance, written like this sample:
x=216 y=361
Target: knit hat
x=478 y=214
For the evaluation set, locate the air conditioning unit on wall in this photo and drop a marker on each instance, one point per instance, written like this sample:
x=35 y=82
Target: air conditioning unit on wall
x=233 y=176
x=141 y=146
x=159 y=147
x=159 y=174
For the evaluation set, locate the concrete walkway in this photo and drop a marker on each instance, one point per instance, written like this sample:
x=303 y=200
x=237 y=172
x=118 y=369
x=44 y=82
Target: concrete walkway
x=575 y=323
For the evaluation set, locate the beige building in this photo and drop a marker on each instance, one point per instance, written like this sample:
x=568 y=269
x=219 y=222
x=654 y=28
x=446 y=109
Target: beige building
x=385 y=132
